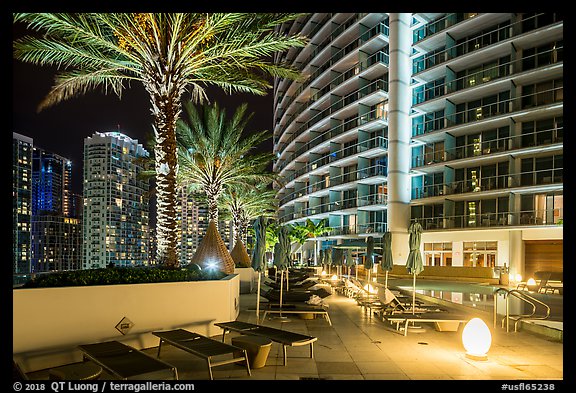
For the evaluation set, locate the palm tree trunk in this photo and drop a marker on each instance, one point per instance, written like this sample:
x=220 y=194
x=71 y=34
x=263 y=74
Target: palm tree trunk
x=212 y=207
x=165 y=109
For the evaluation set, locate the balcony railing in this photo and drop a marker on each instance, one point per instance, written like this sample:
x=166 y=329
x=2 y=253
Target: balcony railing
x=376 y=85
x=378 y=57
x=487 y=147
x=501 y=182
x=494 y=219
x=365 y=37
x=440 y=25
x=347 y=125
x=497 y=108
x=361 y=147
x=471 y=45
x=485 y=76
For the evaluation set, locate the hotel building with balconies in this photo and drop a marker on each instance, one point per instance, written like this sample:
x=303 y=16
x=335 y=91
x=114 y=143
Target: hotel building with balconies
x=452 y=120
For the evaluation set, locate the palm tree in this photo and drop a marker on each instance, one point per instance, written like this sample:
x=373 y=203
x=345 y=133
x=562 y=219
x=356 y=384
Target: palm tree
x=214 y=152
x=168 y=53
x=245 y=203
x=309 y=230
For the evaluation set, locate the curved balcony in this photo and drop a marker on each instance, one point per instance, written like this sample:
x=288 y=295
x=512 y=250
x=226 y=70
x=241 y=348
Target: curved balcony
x=368 y=95
x=357 y=70
x=380 y=29
x=370 y=175
x=378 y=143
x=348 y=99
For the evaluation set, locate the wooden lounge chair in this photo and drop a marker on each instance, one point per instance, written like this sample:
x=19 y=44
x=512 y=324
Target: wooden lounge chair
x=202 y=346
x=286 y=338
x=126 y=362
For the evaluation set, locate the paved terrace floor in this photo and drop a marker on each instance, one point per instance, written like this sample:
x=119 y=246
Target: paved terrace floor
x=358 y=347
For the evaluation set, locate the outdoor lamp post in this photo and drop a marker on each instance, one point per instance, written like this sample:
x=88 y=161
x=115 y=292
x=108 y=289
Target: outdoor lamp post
x=476 y=338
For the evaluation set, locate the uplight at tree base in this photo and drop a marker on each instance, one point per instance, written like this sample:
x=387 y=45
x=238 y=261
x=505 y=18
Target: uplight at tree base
x=477 y=339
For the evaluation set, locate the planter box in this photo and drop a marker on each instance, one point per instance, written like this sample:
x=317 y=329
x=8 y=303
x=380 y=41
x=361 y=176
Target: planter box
x=248 y=278
x=48 y=323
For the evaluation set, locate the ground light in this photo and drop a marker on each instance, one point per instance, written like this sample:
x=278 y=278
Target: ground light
x=476 y=338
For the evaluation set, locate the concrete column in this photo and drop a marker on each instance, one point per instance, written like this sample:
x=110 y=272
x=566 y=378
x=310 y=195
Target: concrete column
x=399 y=134
x=516 y=260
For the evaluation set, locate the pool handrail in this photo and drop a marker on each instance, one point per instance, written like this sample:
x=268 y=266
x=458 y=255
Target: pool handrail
x=521 y=295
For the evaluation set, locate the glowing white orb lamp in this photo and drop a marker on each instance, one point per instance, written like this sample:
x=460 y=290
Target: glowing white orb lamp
x=477 y=339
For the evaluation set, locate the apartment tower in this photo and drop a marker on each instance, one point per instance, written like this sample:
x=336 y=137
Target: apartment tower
x=454 y=120
x=116 y=207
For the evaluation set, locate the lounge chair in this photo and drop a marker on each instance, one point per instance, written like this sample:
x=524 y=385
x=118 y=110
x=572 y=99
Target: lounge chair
x=301 y=309
x=444 y=321
x=302 y=285
x=202 y=346
x=126 y=362
x=286 y=338
x=389 y=303
x=292 y=296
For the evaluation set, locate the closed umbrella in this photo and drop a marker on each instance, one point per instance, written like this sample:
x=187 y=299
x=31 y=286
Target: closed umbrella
x=259 y=255
x=414 y=263
x=387 y=262
x=349 y=260
x=328 y=258
x=282 y=255
x=369 y=259
x=337 y=255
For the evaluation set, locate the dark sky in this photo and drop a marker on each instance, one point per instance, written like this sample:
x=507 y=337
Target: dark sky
x=62 y=128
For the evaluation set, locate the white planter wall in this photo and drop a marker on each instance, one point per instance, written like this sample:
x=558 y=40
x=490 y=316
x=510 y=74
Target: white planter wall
x=248 y=278
x=48 y=323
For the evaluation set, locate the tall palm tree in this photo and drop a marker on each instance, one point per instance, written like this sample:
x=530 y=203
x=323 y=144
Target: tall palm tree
x=168 y=53
x=245 y=203
x=215 y=152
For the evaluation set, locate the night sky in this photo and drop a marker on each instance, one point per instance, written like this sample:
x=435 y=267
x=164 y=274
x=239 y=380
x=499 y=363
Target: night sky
x=62 y=128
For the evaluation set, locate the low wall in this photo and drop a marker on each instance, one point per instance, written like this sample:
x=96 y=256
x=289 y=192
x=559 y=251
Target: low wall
x=248 y=278
x=49 y=323
x=452 y=273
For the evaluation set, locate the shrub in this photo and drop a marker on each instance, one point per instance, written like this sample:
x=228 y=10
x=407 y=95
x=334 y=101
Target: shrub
x=120 y=275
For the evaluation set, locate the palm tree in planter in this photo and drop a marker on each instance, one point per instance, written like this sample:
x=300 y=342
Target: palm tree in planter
x=170 y=54
x=214 y=152
x=244 y=203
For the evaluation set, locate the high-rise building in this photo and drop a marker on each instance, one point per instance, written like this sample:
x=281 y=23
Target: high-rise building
x=116 y=207
x=452 y=120
x=51 y=183
x=21 y=202
x=56 y=230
